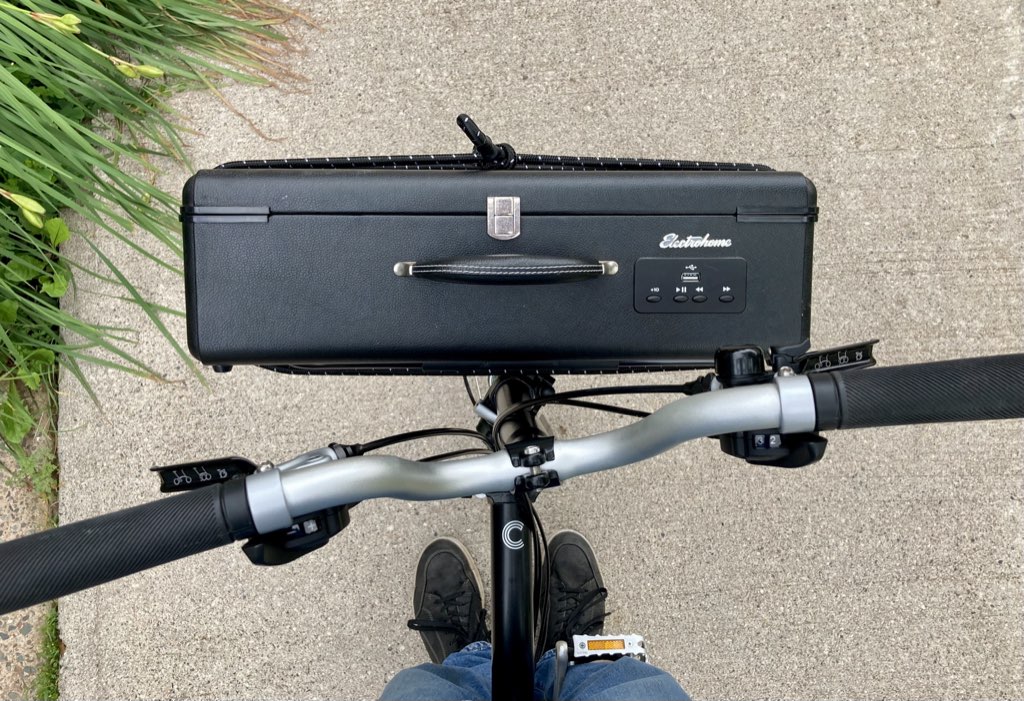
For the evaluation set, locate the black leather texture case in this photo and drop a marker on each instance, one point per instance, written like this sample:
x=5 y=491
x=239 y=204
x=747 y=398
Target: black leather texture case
x=470 y=272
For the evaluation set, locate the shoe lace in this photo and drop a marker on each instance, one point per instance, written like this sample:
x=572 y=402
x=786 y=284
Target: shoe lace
x=572 y=604
x=461 y=626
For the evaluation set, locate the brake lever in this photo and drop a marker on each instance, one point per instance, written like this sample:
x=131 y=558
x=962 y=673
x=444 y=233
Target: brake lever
x=335 y=451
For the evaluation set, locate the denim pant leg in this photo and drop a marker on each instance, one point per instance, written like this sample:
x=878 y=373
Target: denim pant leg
x=464 y=675
x=621 y=680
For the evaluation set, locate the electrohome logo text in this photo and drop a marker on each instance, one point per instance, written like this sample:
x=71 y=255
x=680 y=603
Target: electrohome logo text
x=673 y=241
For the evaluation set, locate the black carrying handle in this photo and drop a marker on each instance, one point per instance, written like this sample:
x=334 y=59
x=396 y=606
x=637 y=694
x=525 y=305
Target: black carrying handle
x=508 y=270
x=973 y=389
x=83 y=554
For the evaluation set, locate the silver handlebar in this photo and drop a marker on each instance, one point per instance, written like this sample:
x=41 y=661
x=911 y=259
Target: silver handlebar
x=277 y=497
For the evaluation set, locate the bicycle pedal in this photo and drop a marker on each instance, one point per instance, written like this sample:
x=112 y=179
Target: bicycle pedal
x=588 y=648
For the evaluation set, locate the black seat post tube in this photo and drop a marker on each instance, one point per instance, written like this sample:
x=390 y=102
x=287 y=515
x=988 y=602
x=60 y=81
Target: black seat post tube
x=512 y=662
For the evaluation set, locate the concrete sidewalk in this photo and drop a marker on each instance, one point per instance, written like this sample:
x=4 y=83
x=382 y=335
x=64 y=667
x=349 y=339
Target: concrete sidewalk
x=22 y=512
x=894 y=568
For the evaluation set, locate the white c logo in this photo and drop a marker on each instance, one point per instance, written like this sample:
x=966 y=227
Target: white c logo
x=506 y=535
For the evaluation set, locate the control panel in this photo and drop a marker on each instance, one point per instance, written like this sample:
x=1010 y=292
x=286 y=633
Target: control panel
x=690 y=285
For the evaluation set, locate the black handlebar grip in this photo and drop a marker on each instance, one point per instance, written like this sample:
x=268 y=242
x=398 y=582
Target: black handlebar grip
x=973 y=389
x=70 y=558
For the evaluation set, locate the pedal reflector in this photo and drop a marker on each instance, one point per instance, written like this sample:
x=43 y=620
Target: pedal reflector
x=616 y=644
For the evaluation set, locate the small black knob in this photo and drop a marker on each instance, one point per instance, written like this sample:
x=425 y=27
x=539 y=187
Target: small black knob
x=739 y=365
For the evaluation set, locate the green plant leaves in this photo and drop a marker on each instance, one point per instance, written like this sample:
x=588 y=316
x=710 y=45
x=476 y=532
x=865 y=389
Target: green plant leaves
x=37 y=469
x=57 y=232
x=8 y=312
x=83 y=118
x=54 y=285
x=15 y=419
x=38 y=363
x=21 y=269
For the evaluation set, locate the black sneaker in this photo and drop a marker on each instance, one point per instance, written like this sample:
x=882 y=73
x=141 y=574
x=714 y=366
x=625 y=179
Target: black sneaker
x=447 y=604
x=576 y=592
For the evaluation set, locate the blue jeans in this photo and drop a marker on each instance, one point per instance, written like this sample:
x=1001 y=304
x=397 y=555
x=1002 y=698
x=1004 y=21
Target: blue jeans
x=467 y=675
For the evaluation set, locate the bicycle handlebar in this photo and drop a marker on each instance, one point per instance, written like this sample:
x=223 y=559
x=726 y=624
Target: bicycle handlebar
x=83 y=554
x=276 y=498
x=79 y=555
x=951 y=390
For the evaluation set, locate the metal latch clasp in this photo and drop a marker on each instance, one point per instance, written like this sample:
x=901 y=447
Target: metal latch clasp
x=503 y=218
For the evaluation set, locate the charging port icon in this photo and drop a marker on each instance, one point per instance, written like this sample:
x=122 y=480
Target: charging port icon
x=690 y=276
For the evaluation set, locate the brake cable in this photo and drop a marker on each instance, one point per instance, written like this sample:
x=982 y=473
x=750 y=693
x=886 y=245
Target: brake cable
x=697 y=386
